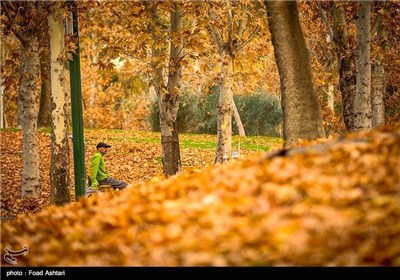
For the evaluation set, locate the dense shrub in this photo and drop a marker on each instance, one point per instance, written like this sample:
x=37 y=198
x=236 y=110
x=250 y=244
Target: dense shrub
x=260 y=112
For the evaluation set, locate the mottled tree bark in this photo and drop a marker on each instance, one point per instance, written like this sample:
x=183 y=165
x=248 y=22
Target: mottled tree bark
x=362 y=100
x=59 y=169
x=44 y=118
x=1 y=105
x=169 y=94
x=29 y=113
x=224 y=121
x=225 y=99
x=378 y=105
x=345 y=56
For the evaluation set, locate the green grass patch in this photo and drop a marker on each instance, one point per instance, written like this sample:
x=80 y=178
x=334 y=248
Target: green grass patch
x=10 y=129
x=46 y=130
x=195 y=141
x=197 y=144
x=136 y=139
x=256 y=143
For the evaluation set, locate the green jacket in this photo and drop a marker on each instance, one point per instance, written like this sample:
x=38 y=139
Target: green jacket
x=97 y=169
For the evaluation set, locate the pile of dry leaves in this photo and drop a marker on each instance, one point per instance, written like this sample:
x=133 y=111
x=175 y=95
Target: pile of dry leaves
x=332 y=203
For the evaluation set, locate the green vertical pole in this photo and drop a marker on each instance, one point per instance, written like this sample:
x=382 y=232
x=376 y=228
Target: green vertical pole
x=76 y=107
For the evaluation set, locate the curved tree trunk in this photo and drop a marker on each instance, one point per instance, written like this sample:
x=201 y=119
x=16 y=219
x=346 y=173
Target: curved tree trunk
x=29 y=112
x=362 y=101
x=300 y=104
x=59 y=169
x=238 y=120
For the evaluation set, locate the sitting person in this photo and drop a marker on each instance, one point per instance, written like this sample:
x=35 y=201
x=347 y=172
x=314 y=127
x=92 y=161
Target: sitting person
x=98 y=173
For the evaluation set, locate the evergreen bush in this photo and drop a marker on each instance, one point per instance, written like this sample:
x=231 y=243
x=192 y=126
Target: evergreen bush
x=260 y=112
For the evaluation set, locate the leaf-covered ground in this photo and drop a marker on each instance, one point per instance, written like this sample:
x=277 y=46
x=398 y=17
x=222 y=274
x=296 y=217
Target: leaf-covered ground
x=333 y=203
x=134 y=157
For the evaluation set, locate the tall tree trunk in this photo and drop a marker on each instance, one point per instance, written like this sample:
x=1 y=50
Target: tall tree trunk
x=59 y=169
x=328 y=65
x=300 y=104
x=3 y=55
x=29 y=112
x=169 y=103
x=238 y=120
x=225 y=100
x=93 y=59
x=1 y=104
x=378 y=105
x=44 y=118
x=224 y=119
x=169 y=95
x=345 y=56
x=362 y=101
x=228 y=49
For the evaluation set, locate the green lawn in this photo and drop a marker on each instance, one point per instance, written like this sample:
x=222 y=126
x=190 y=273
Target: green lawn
x=200 y=141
